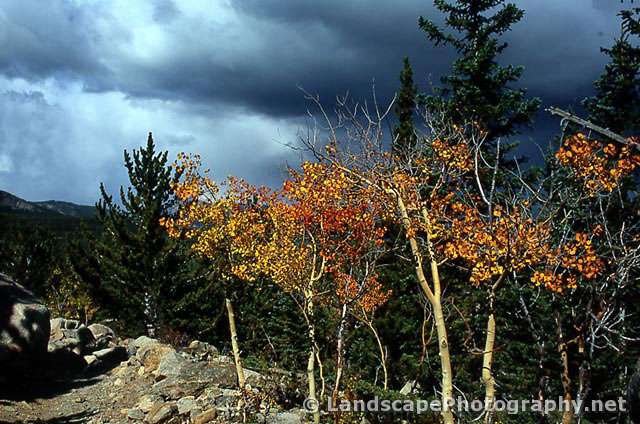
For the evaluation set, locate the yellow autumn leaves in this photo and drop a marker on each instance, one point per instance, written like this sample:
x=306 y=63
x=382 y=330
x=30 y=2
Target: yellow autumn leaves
x=317 y=224
x=322 y=221
x=600 y=166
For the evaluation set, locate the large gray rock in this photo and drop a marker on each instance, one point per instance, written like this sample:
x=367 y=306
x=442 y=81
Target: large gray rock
x=193 y=380
x=171 y=365
x=71 y=335
x=287 y=417
x=161 y=412
x=24 y=321
x=202 y=350
x=103 y=335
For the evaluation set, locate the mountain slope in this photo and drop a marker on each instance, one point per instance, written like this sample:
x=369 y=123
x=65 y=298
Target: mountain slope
x=20 y=215
x=68 y=208
x=14 y=204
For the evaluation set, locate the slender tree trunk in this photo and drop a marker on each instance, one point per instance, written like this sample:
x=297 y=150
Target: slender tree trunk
x=443 y=346
x=381 y=349
x=339 y=360
x=311 y=376
x=435 y=299
x=234 y=343
x=323 y=383
x=563 y=348
x=567 y=414
x=487 y=359
x=311 y=381
x=487 y=369
x=584 y=376
x=445 y=363
x=339 y=354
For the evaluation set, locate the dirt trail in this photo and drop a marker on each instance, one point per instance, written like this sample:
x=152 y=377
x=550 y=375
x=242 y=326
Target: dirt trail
x=37 y=396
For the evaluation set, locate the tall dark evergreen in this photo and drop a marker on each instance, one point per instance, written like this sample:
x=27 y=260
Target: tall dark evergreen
x=479 y=88
x=404 y=133
x=138 y=267
x=616 y=104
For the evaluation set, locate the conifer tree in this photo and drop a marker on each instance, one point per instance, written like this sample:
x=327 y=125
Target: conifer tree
x=616 y=105
x=139 y=266
x=478 y=89
x=404 y=134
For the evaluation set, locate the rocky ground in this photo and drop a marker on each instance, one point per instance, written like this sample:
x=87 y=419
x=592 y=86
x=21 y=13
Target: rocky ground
x=89 y=375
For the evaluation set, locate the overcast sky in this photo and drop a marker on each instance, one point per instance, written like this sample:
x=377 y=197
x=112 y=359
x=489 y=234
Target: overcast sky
x=81 y=80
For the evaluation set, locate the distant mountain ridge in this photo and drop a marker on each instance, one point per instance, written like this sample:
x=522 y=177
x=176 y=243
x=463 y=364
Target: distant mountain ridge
x=13 y=203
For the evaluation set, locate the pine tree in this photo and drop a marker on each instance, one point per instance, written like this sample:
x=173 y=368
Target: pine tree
x=139 y=268
x=404 y=135
x=478 y=89
x=616 y=105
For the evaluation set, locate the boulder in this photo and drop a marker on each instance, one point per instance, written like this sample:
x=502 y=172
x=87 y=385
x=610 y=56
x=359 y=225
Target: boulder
x=117 y=353
x=206 y=417
x=161 y=412
x=170 y=365
x=253 y=378
x=103 y=335
x=107 y=358
x=24 y=321
x=193 y=379
x=287 y=417
x=70 y=335
x=150 y=355
x=140 y=342
x=202 y=350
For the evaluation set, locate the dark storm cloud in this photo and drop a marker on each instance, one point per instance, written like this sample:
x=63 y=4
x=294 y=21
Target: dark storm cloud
x=39 y=40
x=165 y=11
x=558 y=41
x=327 y=47
x=82 y=80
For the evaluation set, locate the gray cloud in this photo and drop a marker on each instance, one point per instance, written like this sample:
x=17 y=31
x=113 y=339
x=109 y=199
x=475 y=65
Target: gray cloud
x=40 y=42
x=80 y=81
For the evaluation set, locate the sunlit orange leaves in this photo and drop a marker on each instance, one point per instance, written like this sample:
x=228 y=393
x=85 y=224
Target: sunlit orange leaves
x=508 y=241
x=599 y=166
x=318 y=223
x=569 y=262
x=511 y=242
x=453 y=155
x=368 y=293
x=221 y=221
x=343 y=219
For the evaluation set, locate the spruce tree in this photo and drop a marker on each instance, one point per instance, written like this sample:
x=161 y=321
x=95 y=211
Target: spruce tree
x=139 y=268
x=481 y=91
x=404 y=135
x=616 y=105
x=478 y=89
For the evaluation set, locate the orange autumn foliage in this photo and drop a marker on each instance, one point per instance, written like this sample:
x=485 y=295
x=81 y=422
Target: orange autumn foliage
x=342 y=223
x=222 y=221
x=508 y=241
x=599 y=166
x=317 y=223
x=454 y=155
x=569 y=262
x=369 y=294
